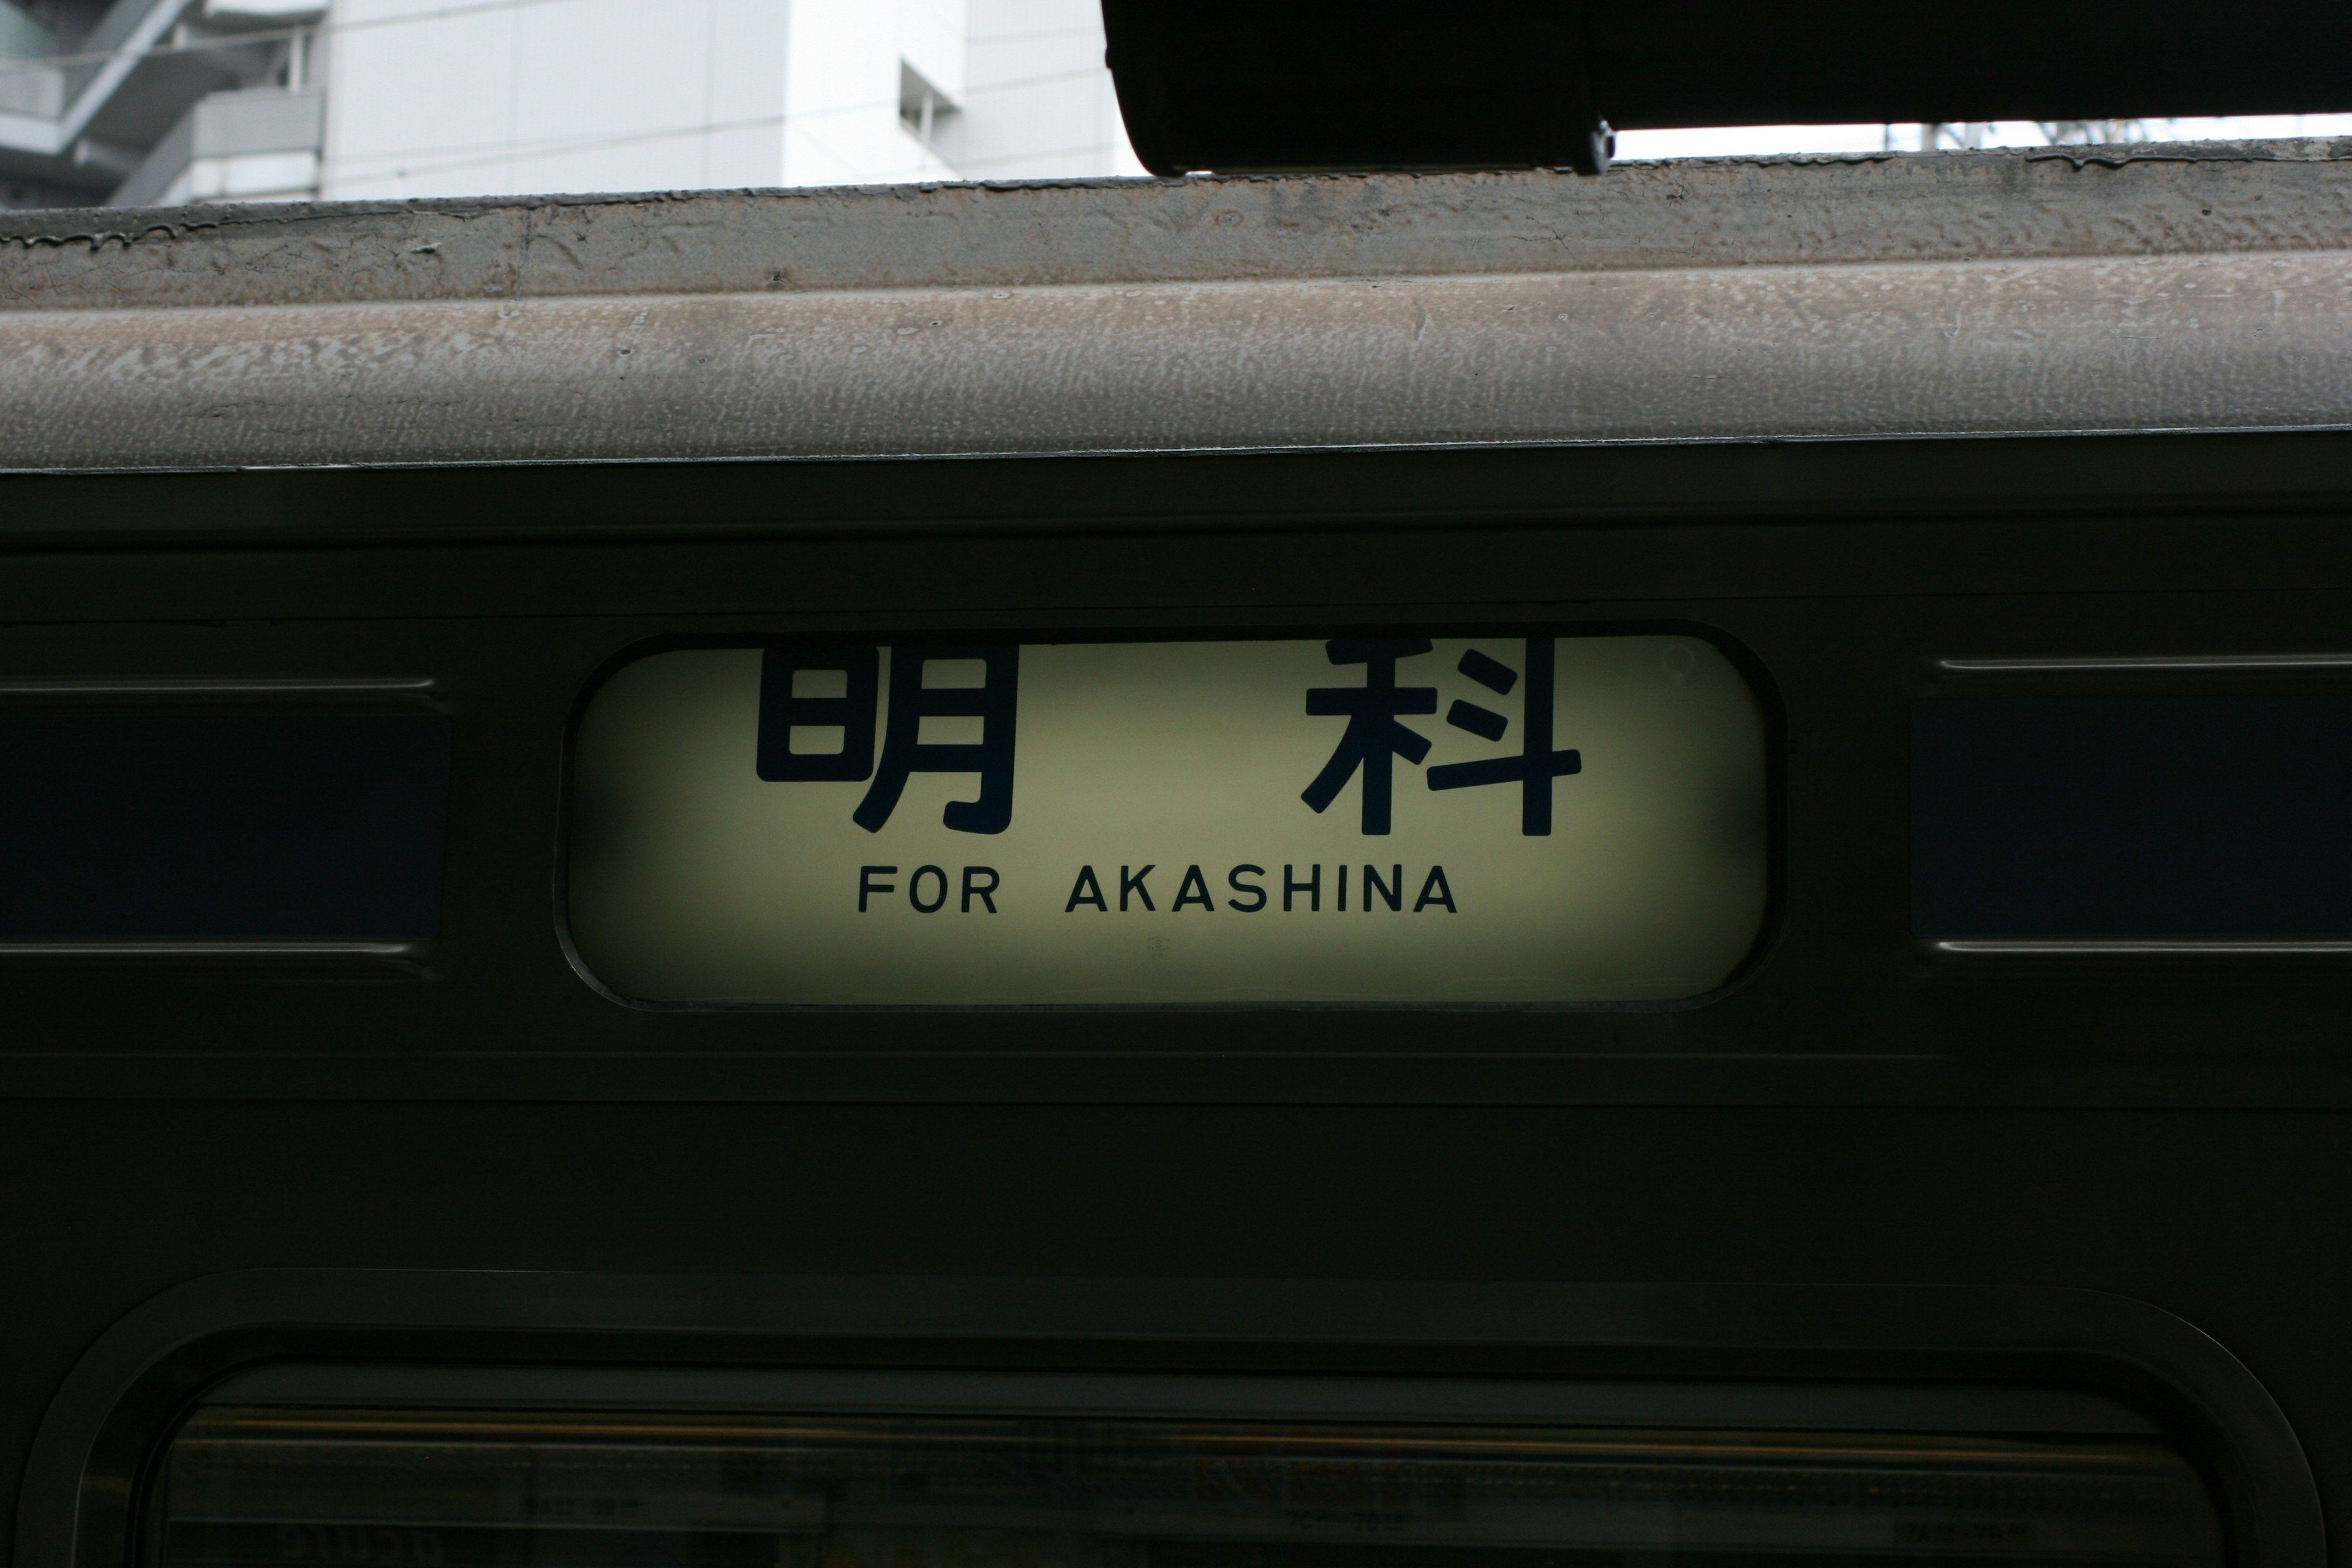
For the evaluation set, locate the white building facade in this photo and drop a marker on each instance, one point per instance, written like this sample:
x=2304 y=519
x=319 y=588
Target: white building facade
x=154 y=102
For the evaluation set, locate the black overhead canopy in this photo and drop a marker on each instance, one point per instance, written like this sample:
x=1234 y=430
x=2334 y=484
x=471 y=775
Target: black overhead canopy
x=1243 y=85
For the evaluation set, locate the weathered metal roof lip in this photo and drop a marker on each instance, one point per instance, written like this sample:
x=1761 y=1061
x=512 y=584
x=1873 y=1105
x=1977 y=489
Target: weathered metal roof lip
x=2064 y=345
x=2204 y=198
x=1873 y=298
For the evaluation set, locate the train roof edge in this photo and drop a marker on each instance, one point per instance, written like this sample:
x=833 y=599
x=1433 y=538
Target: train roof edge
x=2054 y=290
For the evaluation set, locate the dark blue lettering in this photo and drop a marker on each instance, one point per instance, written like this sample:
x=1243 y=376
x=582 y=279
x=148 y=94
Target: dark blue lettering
x=1192 y=890
x=1492 y=674
x=867 y=884
x=1134 y=884
x=973 y=888
x=1435 y=892
x=1234 y=880
x=1086 y=891
x=852 y=713
x=905 y=752
x=1393 y=891
x=1483 y=722
x=1537 y=765
x=1373 y=739
x=1312 y=887
x=915 y=882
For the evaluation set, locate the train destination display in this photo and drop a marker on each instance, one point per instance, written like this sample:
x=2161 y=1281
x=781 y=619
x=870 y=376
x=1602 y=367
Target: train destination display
x=1386 y=817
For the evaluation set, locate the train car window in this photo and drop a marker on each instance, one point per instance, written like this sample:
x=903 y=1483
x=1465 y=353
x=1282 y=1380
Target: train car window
x=245 y=1485
x=2132 y=816
x=222 y=827
x=1389 y=817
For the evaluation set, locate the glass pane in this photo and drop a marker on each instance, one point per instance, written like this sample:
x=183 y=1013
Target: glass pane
x=1410 y=818
x=251 y=1484
x=239 y=828
x=2116 y=818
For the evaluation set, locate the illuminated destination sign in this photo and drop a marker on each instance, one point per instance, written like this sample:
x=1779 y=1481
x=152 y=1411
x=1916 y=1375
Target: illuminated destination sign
x=1363 y=818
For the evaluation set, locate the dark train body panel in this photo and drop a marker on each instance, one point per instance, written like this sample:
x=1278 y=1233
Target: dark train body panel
x=1932 y=1149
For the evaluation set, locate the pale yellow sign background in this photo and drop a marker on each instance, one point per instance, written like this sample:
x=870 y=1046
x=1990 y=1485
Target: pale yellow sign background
x=693 y=880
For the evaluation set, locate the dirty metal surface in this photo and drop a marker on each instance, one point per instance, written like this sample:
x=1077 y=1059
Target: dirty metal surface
x=2112 y=290
x=2145 y=200
x=1979 y=349
x=2219 y=341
